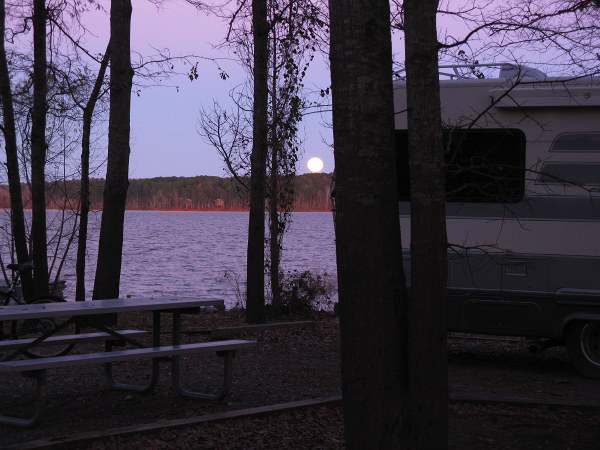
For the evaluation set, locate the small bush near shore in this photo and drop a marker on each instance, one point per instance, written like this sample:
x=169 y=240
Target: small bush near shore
x=302 y=292
x=306 y=292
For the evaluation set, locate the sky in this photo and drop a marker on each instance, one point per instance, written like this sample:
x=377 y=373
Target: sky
x=164 y=120
x=164 y=137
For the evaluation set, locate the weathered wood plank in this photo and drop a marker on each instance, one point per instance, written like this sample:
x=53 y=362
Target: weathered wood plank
x=80 y=338
x=121 y=355
x=99 y=307
x=73 y=440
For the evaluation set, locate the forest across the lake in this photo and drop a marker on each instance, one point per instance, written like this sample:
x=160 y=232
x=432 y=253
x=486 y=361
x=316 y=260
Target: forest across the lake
x=200 y=193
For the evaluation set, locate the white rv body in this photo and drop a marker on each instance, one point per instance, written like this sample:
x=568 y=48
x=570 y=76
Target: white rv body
x=529 y=266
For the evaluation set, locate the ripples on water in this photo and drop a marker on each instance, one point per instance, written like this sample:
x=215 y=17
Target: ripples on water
x=186 y=254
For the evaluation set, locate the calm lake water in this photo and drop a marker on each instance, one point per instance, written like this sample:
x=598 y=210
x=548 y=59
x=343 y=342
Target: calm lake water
x=187 y=254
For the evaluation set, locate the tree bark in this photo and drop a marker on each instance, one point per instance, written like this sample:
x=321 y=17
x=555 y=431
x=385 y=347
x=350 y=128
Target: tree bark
x=255 y=263
x=274 y=222
x=371 y=282
x=84 y=190
x=110 y=246
x=12 y=161
x=425 y=424
x=274 y=232
x=38 y=151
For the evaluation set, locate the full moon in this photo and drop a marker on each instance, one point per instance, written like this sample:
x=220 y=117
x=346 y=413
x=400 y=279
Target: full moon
x=315 y=164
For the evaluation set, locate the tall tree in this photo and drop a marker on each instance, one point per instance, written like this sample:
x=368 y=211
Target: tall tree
x=292 y=26
x=275 y=224
x=12 y=161
x=38 y=150
x=371 y=283
x=255 y=291
x=425 y=423
x=110 y=246
x=84 y=192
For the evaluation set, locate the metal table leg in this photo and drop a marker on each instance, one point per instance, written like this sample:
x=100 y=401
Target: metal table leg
x=143 y=388
x=176 y=373
x=40 y=402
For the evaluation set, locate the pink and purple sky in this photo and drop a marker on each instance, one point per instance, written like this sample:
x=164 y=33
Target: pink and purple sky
x=164 y=137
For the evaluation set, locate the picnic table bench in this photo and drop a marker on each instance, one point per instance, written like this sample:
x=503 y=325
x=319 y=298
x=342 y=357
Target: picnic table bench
x=81 y=338
x=157 y=353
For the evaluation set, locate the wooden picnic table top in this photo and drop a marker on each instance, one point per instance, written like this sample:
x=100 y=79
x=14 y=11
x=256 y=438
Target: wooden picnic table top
x=97 y=307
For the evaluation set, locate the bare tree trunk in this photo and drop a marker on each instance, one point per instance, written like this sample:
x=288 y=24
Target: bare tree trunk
x=274 y=232
x=371 y=282
x=110 y=247
x=12 y=161
x=426 y=424
x=274 y=228
x=84 y=194
x=255 y=263
x=38 y=151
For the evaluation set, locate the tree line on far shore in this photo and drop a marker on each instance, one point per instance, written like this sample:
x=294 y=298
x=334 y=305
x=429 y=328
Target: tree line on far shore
x=200 y=193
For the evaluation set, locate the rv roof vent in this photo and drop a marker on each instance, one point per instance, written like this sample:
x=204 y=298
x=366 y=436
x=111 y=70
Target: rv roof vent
x=511 y=71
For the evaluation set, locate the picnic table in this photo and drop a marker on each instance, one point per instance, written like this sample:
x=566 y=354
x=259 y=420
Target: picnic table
x=91 y=314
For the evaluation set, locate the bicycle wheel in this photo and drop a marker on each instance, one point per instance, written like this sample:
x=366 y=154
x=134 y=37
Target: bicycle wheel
x=34 y=328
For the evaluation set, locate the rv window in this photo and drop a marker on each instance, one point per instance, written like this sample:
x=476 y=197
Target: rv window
x=576 y=142
x=485 y=166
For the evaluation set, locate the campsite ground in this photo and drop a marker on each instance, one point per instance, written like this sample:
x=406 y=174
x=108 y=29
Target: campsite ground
x=503 y=397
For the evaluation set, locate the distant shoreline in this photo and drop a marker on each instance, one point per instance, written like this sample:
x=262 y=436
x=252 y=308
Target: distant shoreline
x=222 y=210
x=200 y=193
x=194 y=210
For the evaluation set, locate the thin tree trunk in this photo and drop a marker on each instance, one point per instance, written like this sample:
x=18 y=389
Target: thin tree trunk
x=255 y=263
x=38 y=151
x=84 y=193
x=274 y=233
x=425 y=425
x=110 y=246
x=371 y=282
x=12 y=161
x=274 y=229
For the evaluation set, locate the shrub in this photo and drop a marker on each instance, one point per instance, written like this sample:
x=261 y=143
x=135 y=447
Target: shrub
x=306 y=292
x=233 y=279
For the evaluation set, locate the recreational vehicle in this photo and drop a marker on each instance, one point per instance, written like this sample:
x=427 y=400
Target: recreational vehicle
x=523 y=206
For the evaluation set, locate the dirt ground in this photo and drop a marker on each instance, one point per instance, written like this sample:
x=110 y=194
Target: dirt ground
x=503 y=396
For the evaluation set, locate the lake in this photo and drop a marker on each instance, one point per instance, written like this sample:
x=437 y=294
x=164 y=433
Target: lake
x=202 y=254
